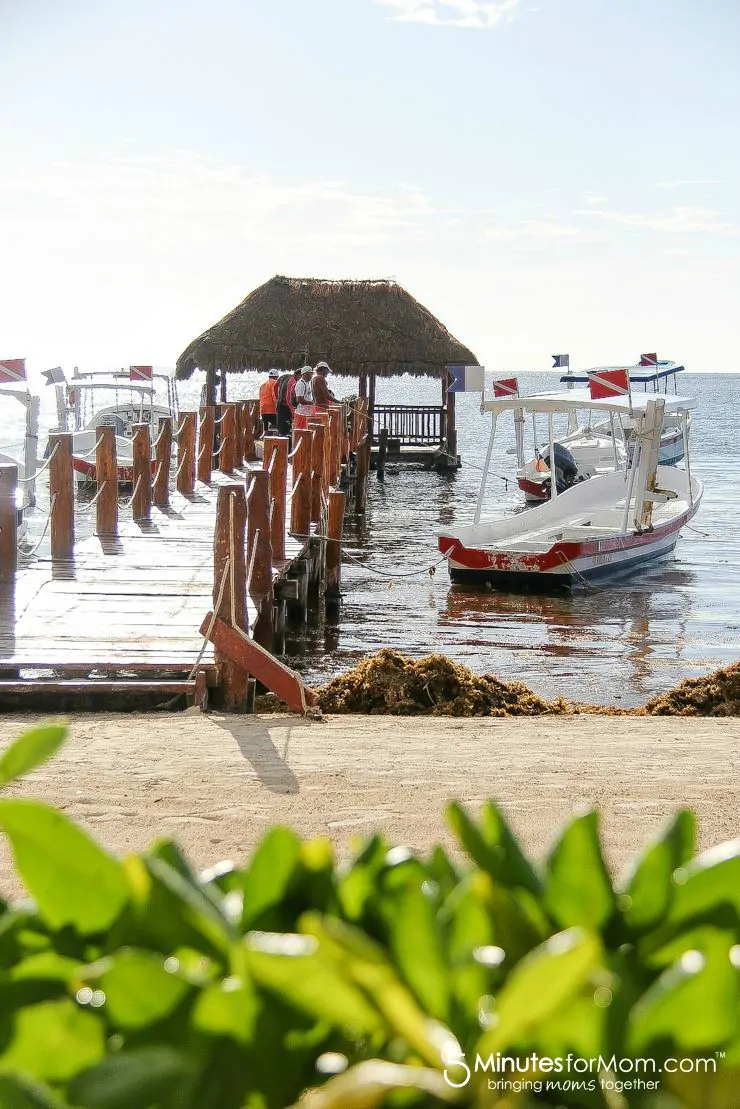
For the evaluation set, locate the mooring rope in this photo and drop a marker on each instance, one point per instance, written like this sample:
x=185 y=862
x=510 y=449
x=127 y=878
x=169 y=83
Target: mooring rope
x=91 y=504
x=132 y=498
x=90 y=453
x=28 y=552
x=45 y=464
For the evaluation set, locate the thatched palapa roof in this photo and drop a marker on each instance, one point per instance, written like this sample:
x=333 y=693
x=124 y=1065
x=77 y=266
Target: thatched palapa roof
x=355 y=326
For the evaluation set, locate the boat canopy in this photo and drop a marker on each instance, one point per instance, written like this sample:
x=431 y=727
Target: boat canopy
x=568 y=400
x=146 y=389
x=638 y=374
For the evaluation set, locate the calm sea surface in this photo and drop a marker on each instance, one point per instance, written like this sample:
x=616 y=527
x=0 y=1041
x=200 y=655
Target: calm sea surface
x=619 y=644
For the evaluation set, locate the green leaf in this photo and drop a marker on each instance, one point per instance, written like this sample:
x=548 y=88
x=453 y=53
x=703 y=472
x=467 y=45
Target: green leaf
x=368 y=1085
x=17 y=1092
x=135 y=1079
x=138 y=990
x=271 y=870
x=493 y=846
x=416 y=943
x=46 y=966
x=227 y=1008
x=646 y=889
x=30 y=750
x=578 y=889
x=693 y=1005
x=73 y=880
x=54 y=1041
x=708 y=887
x=547 y=978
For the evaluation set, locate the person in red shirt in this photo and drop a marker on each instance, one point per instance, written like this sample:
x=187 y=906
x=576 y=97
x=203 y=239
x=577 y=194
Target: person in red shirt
x=322 y=394
x=285 y=392
x=268 y=401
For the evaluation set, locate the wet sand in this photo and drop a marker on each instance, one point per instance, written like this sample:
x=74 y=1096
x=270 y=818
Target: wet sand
x=216 y=783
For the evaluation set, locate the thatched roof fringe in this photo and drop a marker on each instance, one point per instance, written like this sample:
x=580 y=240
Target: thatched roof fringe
x=356 y=326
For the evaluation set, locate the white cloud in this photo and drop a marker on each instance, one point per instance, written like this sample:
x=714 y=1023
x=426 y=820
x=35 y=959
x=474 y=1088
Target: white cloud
x=679 y=220
x=480 y=14
x=687 y=184
x=547 y=227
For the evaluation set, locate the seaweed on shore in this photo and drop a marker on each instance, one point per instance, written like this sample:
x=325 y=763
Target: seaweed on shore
x=717 y=694
x=388 y=683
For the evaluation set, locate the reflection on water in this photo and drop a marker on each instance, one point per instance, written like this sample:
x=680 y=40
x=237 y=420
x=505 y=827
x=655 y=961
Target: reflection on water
x=613 y=644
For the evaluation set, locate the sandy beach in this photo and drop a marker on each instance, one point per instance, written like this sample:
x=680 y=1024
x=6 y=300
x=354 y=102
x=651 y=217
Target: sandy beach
x=216 y=783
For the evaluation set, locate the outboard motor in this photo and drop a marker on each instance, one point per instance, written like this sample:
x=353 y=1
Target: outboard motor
x=566 y=467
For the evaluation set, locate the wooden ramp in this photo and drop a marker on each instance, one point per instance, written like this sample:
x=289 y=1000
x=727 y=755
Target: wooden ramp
x=125 y=609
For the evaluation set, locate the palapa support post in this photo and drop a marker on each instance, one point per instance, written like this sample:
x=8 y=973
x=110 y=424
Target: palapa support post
x=186 y=434
x=448 y=399
x=163 y=463
x=259 y=556
x=106 y=472
x=335 y=522
x=382 y=452
x=141 y=501
x=363 y=469
x=250 y=453
x=227 y=449
x=371 y=403
x=275 y=462
x=62 y=496
x=318 y=429
x=8 y=523
x=206 y=433
x=336 y=433
x=359 y=423
x=300 y=501
x=238 y=436
x=229 y=590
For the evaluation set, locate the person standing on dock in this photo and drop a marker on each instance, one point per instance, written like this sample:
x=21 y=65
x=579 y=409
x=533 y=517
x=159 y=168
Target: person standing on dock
x=303 y=398
x=285 y=393
x=322 y=394
x=268 y=401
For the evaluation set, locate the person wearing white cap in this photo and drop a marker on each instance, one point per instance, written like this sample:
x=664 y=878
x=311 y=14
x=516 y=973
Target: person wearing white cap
x=322 y=394
x=303 y=398
x=268 y=400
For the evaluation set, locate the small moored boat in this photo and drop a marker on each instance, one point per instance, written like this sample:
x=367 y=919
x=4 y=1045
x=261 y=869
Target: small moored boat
x=608 y=524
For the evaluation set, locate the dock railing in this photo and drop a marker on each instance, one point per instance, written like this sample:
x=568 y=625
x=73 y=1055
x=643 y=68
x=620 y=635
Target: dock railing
x=411 y=425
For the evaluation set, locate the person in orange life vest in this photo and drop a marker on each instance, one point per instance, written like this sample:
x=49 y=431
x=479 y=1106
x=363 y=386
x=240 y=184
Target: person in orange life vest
x=322 y=394
x=284 y=395
x=268 y=401
x=303 y=398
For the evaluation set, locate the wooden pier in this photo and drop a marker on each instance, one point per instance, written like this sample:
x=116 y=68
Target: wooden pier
x=191 y=595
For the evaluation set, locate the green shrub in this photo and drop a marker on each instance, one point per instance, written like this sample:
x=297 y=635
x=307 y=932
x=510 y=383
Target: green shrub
x=138 y=984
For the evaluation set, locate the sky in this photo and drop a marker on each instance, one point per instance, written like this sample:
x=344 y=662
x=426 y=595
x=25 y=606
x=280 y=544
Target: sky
x=546 y=176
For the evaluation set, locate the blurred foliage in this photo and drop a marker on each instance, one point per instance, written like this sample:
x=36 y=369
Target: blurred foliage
x=139 y=984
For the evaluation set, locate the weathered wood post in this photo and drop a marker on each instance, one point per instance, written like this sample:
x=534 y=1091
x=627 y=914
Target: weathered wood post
x=206 y=432
x=448 y=399
x=163 y=462
x=141 y=502
x=106 y=472
x=259 y=557
x=275 y=461
x=336 y=435
x=382 y=452
x=229 y=589
x=186 y=454
x=300 y=502
x=62 y=494
x=250 y=454
x=8 y=523
x=363 y=469
x=318 y=430
x=238 y=436
x=227 y=449
x=335 y=522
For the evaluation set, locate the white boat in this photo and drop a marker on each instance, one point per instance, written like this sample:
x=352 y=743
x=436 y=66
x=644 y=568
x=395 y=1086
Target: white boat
x=601 y=446
x=25 y=458
x=94 y=400
x=612 y=523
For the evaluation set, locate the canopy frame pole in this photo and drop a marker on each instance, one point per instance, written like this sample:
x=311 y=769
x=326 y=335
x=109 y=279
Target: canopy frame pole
x=612 y=431
x=683 y=416
x=486 y=466
x=553 y=477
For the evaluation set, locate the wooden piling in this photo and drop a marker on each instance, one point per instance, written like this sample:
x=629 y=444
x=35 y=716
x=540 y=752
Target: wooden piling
x=141 y=502
x=363 y=468
x=275 y=461
x=238 y=437
x=247 y=420
x=229 y=590
x=8 y=523
x=300 y=502
x=318 y=429
x=62 y=496
x=106 y=472
x=186 y=454
x=336 y=436
x=382 y=452
x=227 y=449
x=259 y=556
x=163 y=463
x=335 y=522
x=206 y=432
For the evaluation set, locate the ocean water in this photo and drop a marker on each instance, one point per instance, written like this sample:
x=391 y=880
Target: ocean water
x=616 y=644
